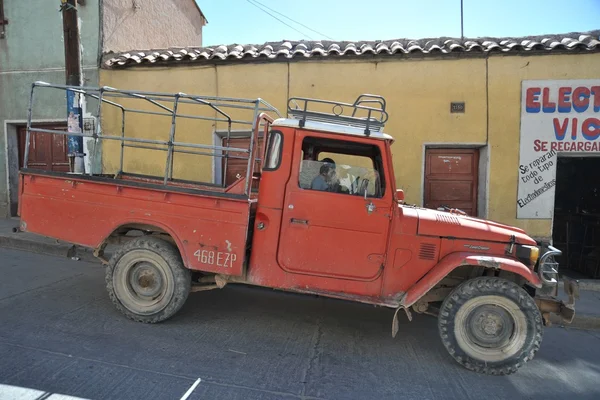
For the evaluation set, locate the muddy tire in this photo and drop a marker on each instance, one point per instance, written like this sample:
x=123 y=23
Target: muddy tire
x=490 y=325
x=146 y=280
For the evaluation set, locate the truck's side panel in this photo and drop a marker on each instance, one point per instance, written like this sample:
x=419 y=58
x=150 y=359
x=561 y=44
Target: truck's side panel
x=409 y=256
x=209 y=231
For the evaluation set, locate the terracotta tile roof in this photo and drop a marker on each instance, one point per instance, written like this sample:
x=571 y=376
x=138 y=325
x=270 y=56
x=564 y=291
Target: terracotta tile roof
x=287 y=50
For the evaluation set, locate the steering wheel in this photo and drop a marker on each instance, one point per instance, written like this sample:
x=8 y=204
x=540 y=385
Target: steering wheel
x=363 y=187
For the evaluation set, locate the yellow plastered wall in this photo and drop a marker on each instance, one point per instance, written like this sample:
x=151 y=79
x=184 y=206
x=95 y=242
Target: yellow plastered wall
x=505 y=75
x=418 y=94
x=240 y=81
x=193 y=81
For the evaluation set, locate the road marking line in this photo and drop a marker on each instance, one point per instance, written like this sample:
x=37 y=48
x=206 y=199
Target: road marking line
x=191 y=389
x=235 y=351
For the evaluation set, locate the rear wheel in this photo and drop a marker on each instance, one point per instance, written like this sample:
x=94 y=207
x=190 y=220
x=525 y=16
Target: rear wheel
x=146 y=280
x=490 y=325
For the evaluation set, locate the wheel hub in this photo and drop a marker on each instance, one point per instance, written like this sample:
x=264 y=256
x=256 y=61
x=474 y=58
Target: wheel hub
x=490 y=326
x=145 y=280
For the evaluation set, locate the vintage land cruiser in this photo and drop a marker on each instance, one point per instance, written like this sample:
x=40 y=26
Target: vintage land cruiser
x=491 y=286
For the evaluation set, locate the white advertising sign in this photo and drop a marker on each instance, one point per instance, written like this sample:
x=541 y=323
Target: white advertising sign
x=557 y=117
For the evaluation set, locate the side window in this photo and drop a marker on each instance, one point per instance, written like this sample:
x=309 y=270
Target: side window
x=274 y=148
x=341 y=167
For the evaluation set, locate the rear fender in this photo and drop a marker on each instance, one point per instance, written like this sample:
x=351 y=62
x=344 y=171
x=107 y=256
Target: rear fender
x=455 y=260
x=150 y=225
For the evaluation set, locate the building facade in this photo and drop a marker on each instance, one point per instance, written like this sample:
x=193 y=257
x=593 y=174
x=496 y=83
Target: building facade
x=32 y=49
x=506 y=129
x=452 y=105
x=145 y=24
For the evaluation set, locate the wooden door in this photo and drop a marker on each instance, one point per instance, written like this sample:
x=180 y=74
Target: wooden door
x=47 y=151
x=451 y=179
x=237 y=167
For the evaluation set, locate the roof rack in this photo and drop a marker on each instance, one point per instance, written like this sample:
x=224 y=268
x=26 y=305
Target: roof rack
x=367 y=112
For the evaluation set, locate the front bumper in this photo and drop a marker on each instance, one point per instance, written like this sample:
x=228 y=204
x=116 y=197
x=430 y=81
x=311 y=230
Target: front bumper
x=551 y=305
x=546 y=298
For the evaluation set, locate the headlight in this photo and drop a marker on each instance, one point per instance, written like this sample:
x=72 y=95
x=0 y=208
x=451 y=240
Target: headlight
x=528 y=254
x=534 y=254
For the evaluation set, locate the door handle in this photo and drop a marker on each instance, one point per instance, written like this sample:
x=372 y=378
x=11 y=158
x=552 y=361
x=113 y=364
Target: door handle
x=370 y=207
x=299 y=221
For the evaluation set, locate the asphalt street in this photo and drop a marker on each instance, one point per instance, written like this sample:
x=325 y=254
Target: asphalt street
x=60 y=336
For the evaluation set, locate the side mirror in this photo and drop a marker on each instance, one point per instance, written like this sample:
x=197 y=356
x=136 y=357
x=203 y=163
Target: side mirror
x=400 y=195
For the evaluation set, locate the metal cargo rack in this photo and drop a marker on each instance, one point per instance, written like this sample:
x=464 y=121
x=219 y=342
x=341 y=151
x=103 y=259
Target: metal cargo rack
x=367 y=112
x=216 y=109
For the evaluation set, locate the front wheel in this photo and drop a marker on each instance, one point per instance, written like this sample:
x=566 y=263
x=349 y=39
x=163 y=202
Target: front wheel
x=147 y=281
x=490 y=325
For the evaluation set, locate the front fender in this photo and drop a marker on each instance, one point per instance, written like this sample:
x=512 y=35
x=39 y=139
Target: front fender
x=455 y=260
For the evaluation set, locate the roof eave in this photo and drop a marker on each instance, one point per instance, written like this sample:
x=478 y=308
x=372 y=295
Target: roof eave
x=288 y=51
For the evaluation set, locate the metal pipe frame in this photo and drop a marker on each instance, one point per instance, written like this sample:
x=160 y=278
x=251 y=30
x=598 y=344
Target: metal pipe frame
x=218 y=155
x=250 y=169
x=107 y=95
x=139 y=146
x=28 y=135
x=149 y=141
x=122 y=142
x=169 y=166
x=226 y=154
x=112 y=92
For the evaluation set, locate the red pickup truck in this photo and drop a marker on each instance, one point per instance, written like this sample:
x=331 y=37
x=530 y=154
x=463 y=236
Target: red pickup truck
x=317 y=212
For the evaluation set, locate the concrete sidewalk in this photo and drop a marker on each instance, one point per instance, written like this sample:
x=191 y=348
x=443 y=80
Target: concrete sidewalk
x=587 y=308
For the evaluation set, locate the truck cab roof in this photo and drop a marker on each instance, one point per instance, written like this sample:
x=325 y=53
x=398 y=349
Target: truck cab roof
x=330 y=128
x=365 y=117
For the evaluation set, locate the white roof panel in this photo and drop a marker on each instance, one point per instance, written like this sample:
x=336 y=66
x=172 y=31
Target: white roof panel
x=332 y=128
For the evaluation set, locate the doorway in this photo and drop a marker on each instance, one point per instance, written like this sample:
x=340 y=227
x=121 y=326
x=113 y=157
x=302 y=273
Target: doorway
x=47 y=151
x=237 y=165
x=451 y=179
x=576 y=228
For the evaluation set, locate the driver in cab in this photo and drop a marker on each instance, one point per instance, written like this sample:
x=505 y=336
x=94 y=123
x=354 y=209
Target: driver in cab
x=327 y=180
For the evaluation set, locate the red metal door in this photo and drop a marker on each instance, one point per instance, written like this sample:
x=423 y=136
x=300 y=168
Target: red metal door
x=451 y=179
x=47 y=151
x=332 y=234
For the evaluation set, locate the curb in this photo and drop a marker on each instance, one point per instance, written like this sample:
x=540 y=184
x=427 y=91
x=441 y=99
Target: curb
x=585 y=284
x=58 y=249
x=581 y=321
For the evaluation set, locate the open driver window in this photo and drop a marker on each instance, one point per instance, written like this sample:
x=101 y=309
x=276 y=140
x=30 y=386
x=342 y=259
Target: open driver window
x=341 y=167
